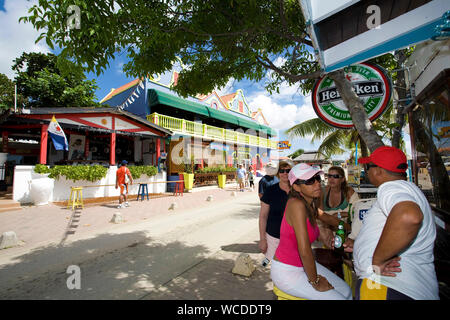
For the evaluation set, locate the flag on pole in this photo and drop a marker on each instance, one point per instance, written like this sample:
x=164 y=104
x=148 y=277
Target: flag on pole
x=58 y=136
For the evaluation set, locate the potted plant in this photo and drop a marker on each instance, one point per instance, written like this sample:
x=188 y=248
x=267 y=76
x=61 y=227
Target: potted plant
x=188 y=176
x=222 y=177
x=41 y=186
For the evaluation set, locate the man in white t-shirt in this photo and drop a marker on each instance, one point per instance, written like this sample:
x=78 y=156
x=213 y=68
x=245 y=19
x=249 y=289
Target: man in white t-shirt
x=393 y=252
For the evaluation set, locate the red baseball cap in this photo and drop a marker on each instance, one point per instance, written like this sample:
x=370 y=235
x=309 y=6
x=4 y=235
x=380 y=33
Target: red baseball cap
x=389 y=158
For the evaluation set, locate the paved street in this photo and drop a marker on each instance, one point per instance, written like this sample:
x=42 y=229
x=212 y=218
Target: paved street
x=187 y=253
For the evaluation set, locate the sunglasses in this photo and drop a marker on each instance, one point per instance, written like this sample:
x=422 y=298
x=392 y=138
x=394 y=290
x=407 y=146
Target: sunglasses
x=284 y=170
x=310 y=181
x=336 y=176
x=369 y=165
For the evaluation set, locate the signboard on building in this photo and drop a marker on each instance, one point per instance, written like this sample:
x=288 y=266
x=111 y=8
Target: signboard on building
x=346 y=32
x=282 y=145
x=370 y=83
x=444 y=132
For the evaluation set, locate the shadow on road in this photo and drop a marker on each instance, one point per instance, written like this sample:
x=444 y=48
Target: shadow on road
x=131 y=262
x=242 y=247
x=212 y=279
x=131 y=266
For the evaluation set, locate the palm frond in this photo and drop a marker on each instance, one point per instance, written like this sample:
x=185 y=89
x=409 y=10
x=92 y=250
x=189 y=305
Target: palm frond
x=331 y=145
x=315 y=127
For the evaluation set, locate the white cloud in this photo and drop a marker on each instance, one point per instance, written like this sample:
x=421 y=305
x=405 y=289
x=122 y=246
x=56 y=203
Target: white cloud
x=281 y=116
x=227 y=89
x=15 y=37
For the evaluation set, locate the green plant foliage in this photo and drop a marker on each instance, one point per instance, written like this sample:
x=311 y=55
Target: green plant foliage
x=47 y=80
x=42 y=169
x=216 y=170
x=74 y=173
x=138 y=171
x=7 y=93
x=217 y=39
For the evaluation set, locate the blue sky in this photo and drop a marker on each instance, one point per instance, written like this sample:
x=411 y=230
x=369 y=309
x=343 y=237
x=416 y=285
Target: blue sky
x=282 y=110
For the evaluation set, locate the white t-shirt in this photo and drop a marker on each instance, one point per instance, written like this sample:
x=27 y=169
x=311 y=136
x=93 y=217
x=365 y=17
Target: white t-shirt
x=418 y=277
x=359 y=209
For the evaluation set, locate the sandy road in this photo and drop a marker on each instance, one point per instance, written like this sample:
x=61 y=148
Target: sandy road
x=132 y=261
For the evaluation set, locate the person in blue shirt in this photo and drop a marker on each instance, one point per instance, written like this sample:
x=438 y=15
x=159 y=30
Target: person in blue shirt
x=269 y=178
x=240 y=177
x=273 y=203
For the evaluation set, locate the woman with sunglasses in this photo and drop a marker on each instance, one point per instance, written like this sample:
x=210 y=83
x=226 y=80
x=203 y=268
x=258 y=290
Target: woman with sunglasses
x=294 y=269
x=337 y=193
x=273 y=202
x=335 y=198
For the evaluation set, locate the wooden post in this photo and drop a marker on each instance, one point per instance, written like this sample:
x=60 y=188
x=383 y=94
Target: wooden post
x=112 y=149
x=86 y=146
x=412 y=136
x=158 y=149
x=43 y=144
x=5 y=141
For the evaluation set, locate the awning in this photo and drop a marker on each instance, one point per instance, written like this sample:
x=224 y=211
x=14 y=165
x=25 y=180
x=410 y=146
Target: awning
x=158 y=97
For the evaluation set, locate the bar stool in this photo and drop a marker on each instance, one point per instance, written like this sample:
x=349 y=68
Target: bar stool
x=143 y=191
x=348 y=276
x=76 y=197
x=179 y=186
x=281 y=295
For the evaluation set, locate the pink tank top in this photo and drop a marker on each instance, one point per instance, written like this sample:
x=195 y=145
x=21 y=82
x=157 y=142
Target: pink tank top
x=287 y=251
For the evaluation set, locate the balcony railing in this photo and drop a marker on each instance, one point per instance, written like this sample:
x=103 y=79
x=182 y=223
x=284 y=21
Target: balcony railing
x=209 y=132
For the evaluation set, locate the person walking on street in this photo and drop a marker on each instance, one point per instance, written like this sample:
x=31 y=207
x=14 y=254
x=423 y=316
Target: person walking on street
x=251 y=178
x=393 y=252
x=240 y=177
x=271 y=212
x=269 y=178
x=294 y=269
x=123 y=178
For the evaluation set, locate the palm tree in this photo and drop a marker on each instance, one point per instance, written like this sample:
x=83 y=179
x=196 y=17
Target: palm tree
x=336 y=141
x=422 y=120
x=296 y=153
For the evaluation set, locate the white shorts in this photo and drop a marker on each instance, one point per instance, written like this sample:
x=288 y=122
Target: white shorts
x=294 y=281
x=272 y=245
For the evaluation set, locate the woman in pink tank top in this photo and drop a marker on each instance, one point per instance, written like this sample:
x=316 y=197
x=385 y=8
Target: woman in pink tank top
x=294 y=269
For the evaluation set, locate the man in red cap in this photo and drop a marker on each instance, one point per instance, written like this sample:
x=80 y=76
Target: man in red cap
x=393 y=252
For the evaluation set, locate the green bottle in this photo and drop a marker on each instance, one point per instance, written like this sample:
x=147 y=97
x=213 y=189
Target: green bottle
x=350 y=215
x=339 y=238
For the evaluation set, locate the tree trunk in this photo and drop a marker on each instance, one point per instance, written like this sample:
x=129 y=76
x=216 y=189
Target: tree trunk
x=363 y=147
x=357 y=112
x=441 y=183
x=399 y=103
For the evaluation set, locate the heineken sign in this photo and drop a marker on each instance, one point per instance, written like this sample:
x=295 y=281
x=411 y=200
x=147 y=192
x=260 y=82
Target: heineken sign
x=369 y=82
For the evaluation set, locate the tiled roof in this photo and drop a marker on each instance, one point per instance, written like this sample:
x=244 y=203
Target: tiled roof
x=119 y=90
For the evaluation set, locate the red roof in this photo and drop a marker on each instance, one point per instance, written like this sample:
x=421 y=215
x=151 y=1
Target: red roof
x=227 y=98
x=119 y=90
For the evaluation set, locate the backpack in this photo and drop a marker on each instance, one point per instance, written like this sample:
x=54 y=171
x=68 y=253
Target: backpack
x=127 y=179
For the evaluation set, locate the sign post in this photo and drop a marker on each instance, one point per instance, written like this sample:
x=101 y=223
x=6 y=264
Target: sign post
x=282 y=145
x=370 y=83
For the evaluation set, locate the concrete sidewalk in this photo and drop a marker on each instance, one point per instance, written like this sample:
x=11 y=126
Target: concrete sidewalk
x=211 y=278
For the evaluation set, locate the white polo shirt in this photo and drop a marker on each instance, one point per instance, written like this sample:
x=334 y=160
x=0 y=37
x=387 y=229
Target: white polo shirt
x=418 y=277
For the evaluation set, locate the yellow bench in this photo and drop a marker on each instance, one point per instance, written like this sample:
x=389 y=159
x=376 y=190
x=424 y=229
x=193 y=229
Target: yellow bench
x=348 y=277
x=281 y=295
x=76 y=197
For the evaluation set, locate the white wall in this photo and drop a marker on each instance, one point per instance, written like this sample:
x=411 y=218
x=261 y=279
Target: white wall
x=23 y=175
x=429 y=58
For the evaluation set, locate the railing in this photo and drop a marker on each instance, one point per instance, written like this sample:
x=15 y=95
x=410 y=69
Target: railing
x=210 y=132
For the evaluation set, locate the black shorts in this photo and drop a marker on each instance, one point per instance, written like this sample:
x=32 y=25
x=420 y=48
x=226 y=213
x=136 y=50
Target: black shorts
x=369 y=290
